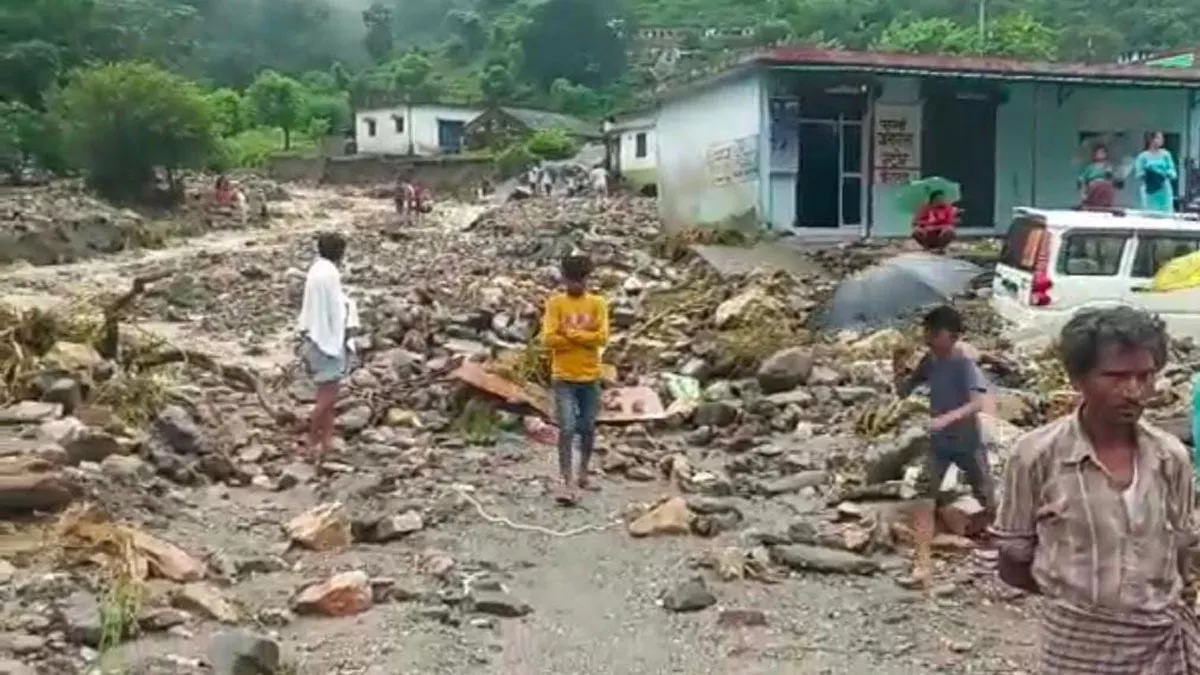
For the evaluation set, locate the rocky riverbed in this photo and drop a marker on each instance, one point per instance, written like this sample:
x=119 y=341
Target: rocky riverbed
x=751 y=515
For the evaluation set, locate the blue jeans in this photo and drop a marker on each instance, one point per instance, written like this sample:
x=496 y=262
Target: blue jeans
x=576 y=405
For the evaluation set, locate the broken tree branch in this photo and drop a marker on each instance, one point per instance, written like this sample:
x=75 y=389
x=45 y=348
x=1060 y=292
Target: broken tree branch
x=111 y=345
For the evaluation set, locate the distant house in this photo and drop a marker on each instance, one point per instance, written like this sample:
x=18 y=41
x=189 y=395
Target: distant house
x=500 y=126
x=633 y=148
x=412 y=129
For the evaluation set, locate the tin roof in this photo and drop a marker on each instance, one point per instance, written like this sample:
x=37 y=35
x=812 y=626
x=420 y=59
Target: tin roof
x=538 y=120
x=981 y=67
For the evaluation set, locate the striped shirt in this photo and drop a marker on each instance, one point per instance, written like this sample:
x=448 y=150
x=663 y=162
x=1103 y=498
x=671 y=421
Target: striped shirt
x=1059 y=511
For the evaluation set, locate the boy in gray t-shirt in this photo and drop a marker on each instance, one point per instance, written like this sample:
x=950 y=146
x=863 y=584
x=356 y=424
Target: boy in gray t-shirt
x=958 y=392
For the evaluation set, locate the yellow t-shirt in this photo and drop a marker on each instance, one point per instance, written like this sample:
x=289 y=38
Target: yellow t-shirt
x=575 y=330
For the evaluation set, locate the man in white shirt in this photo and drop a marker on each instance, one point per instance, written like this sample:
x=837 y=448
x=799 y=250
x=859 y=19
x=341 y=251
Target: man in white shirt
x=600 y=185
x=326 y=316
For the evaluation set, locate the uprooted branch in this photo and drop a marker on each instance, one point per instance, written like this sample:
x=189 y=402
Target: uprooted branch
x=111 y=340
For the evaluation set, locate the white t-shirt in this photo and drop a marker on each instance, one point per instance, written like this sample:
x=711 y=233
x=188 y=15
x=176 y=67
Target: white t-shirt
x=325 y=311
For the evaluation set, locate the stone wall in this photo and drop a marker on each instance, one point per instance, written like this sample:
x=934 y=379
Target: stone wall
x=442 y=174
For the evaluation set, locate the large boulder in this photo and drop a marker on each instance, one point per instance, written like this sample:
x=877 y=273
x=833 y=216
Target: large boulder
x=785 y=370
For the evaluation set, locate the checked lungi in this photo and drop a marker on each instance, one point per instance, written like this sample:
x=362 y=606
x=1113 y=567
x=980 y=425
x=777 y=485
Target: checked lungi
x=1077 y=641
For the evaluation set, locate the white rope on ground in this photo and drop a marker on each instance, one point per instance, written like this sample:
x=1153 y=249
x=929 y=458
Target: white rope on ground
x=523 y=527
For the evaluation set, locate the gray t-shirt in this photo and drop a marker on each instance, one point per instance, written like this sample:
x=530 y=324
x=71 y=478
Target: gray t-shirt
x=951 y=381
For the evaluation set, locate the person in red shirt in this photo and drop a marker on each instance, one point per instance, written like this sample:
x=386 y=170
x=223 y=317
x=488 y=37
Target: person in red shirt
x=933 y=226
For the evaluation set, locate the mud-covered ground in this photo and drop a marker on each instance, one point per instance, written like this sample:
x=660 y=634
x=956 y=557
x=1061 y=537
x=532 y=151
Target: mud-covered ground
x=594 y=595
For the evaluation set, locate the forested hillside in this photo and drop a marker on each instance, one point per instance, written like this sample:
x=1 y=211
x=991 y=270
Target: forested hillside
x=225 y=82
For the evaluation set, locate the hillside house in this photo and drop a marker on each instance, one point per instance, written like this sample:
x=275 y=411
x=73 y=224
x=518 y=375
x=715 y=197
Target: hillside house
x=818 y=142
x=633 y=148
x=412 y=129
x=501 y=126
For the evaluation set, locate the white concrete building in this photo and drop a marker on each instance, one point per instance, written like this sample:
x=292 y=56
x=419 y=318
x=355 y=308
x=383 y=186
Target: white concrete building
x=417 y=129
x=635 y=148
x=821 y=143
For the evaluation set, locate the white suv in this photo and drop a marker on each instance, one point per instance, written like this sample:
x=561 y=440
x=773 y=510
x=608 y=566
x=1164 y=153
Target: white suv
x=1056 y=262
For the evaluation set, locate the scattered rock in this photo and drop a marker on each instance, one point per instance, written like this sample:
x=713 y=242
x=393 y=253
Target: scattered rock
x=343 y=594
x=785 y=369
x=240 y=652
x=30 y=412
x=324 y=528
x=397 y=527
x=177 y=428
x=669 y=517
x=795 y=482
x=499 y=603
x=79 y=615
x=207 y=601
x=689 y=596
x=742 y=618
x=804 y=557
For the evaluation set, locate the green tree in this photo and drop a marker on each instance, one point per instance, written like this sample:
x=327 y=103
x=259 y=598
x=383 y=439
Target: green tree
x=773 y=31
x=597 y=50
x=575 y=99
x=1019 y=35
x=928 y=36
x=331 y=111
x=229 y=113
x=123 y=122
x=412 y=76
x=380 y=38
x=28 y=138
x=497 y=83
x=27 y=69
x=278 y=101
x=551 y=144
x=468 y=27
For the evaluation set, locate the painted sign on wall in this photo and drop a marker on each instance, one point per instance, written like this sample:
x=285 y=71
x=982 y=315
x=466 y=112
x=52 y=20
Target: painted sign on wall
x=733 y=162
x=897 y=144
x=785 y=135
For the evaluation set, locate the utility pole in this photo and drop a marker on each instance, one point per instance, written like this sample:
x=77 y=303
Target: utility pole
x=983 y=24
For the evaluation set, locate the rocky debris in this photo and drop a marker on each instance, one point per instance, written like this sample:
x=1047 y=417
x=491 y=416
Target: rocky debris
x=499 y=603
x=30 y=483
x=785 y=370
x=241 y=652
x=691 y=595
x=11 y=667
x=342 y=594
x=176 y=427
x=324 y=528
x=807 y=558
x=207 y=601
x=671 y=516
x=397 y=527
x=80 y=619
x=741 y=618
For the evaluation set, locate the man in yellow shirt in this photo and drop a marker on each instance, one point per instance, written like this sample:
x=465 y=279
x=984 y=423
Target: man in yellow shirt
x=575 y=329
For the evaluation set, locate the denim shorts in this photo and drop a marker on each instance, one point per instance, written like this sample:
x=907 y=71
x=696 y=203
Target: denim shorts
x=322 y=367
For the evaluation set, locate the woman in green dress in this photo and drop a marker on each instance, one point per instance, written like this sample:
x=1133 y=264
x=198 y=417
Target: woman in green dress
x=1155 y=170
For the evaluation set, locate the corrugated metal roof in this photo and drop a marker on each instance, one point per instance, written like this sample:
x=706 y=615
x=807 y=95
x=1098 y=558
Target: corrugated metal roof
x=538 y=120
x=978 y=66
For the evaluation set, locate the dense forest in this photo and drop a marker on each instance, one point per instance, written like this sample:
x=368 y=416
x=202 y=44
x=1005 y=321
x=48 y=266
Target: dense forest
x=120 y=89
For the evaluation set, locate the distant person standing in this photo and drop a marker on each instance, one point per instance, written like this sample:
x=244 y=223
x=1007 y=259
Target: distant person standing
x=326 y=319
x=1155 y=170
x=575 y=330
x=599 y=177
